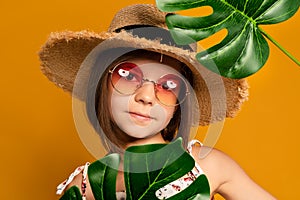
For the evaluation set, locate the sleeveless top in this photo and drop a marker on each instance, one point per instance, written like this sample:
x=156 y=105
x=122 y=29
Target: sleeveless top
x=162 y=193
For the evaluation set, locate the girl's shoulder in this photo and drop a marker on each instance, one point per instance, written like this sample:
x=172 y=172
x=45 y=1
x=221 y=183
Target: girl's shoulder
x=208 y=155
x=211 y=162
x=225 y=176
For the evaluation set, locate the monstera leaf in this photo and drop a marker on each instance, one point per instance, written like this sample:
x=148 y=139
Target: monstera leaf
x=102 y=177
x=72 y=193
x=147 y=168
x=150 y=167
x=244 y=50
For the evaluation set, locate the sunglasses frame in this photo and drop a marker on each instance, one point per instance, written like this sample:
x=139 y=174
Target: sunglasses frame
x=143 y=80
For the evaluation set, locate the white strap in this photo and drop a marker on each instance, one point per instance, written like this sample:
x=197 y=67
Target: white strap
x=61 y=187
x=190 y=148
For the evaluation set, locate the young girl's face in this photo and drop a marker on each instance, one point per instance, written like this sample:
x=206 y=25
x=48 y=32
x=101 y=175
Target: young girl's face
x=143 y=111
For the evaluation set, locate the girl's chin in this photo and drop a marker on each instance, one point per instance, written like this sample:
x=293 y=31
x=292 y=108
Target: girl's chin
x=142 y=133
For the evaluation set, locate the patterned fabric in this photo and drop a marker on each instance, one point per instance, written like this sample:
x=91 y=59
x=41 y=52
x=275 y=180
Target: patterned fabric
x=180 y=184
x=163 y=193
x=82 y=169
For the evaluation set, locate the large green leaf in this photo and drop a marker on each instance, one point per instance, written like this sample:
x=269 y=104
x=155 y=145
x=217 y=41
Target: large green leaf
x=103 y=175
x=150 y=167
x=147 y=168
x=244 y=50
x=72 y=193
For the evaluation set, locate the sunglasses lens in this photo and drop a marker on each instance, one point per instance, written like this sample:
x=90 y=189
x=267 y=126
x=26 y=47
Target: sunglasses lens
x=171 y=89
x=126 y=77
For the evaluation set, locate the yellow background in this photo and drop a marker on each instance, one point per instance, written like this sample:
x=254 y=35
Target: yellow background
x=39 y=143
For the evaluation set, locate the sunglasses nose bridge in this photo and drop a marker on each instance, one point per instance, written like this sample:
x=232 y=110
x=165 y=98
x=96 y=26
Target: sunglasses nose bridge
x=144 y=80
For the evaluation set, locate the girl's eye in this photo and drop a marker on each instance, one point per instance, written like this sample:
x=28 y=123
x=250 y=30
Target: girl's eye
x=169 y=85
x=126 y=74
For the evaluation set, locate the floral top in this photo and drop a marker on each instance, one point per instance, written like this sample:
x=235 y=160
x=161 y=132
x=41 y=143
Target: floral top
x=165 y=192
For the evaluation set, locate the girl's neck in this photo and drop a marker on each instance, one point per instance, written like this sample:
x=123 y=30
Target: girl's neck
x=155 y=139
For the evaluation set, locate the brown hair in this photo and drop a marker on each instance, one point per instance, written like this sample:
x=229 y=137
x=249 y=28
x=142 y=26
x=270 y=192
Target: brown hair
x=113 y=138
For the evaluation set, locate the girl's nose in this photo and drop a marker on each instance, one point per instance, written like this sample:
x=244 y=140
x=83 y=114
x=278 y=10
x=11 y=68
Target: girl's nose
x=145 y=94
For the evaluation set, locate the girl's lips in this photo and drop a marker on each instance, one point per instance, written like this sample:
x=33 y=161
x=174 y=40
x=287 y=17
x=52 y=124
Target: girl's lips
x=140 y=117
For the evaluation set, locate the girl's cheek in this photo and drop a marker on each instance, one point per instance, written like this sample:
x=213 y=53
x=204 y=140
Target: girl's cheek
x=163 y=113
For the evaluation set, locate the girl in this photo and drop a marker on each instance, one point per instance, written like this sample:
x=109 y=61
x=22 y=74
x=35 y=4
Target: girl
x=141 y=88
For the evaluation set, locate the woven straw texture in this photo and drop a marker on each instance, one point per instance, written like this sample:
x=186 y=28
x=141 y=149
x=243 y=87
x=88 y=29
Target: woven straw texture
x=62 y=54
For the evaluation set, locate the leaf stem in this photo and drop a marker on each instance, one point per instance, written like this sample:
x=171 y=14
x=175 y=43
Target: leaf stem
x=279 y=46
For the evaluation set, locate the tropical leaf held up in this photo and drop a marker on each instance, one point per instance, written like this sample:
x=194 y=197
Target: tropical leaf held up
x=150 y=167
x=147 y=168
x=244 y=50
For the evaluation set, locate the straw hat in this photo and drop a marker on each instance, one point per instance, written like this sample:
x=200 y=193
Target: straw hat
x=64 y=52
